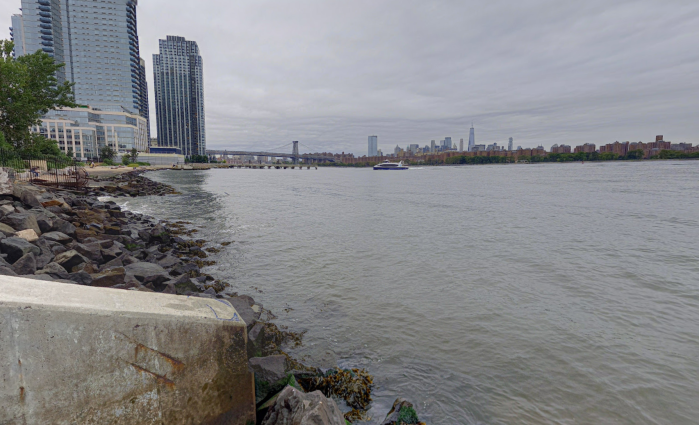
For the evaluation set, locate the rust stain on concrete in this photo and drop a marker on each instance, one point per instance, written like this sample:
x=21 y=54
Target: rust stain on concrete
x=177 y=365
x=160 y=378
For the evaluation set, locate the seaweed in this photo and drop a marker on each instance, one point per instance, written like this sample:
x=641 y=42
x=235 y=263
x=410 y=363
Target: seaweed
x=352 y=385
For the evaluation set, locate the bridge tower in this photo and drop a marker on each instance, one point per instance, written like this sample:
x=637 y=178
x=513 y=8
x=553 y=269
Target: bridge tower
x=295 y=152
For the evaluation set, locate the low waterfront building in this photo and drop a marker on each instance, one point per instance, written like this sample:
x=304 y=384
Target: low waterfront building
x=86 y=130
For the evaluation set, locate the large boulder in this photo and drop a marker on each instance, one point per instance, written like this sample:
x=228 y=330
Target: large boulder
x=70 y=259
x=63 y=226
x=91 y=251
x=182 y=285
x=81 y=278
x=16 y=248
x=5 y=229
x=25 y=265
x=28 y=235
x=109 y=277
x=42 y=219
x=268 y=369
x=148 y=273
x=168 y=261
x=22 y=221
x=108 y=254
x=59 y=237
x=47 y=252
x=7 y=271
x=293 y=407
x=53 y=269
x=244 y=310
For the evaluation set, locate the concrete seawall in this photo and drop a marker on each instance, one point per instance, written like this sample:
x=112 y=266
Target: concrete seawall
x=76 y=354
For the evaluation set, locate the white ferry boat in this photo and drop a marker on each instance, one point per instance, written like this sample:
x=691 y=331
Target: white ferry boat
x=390 y=166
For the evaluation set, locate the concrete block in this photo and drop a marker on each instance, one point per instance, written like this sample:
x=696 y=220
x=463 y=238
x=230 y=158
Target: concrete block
x=75 y=354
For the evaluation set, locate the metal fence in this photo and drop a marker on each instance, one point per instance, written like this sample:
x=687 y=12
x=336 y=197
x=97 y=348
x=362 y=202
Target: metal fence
x=46 y=170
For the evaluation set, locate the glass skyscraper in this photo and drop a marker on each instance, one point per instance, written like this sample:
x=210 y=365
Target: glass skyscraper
x=179 y=96
x=97 y=41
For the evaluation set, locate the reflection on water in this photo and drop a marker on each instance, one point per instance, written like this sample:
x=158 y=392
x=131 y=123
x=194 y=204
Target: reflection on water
x=505 y=294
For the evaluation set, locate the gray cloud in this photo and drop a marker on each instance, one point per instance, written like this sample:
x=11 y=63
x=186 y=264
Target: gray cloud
x=329 y=73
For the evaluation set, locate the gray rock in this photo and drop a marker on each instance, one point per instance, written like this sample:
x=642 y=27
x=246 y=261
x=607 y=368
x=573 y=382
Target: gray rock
x=25 y=265
x=148 y=273
x=269 y=369
x=7 y=271
x=112 y=263
x=182 y=284
x=256 y=332
x=6 y=209
x=47 y=252
x=55 y=270
x=127 y=259
x=108 y=254
x=293 y=407
x=109 y=277
x=244 y=310
x=70 y=259
x=392 y=417
x=63 y=226
x=15 y=248
x=59 y=237
x=6 y=230
x=81 y=278
x=168 y=261
x=43 y=220
x=22 y=221
x=92 y=251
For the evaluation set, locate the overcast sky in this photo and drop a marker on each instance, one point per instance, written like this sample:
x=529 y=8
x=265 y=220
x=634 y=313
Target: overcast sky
x=330 y=73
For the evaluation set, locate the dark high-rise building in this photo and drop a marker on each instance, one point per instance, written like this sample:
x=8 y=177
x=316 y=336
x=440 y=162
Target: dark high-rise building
x=179 y=96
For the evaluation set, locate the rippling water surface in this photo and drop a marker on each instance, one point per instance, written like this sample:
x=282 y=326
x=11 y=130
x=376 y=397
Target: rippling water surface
x=518 y=294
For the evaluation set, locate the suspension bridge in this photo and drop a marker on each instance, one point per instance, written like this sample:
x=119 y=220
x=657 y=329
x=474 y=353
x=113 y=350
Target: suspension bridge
x=294 y=155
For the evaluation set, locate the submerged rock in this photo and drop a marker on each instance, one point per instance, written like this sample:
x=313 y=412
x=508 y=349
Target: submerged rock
x=402 y=413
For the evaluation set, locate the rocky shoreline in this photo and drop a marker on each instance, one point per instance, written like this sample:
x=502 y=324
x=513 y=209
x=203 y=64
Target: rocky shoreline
x=72 y=237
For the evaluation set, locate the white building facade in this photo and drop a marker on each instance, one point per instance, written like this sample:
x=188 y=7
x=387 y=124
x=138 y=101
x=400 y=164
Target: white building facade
x=85 y=130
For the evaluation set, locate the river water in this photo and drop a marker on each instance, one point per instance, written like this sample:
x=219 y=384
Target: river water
x=503 y=294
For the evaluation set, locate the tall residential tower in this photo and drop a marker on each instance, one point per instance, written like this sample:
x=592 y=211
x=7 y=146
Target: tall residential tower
x=98 y=43
x=373 y=145
x=471 y=139
x=179 y=96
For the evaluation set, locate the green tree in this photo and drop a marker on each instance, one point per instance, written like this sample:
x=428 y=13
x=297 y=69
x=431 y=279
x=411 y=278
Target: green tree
x=107 y=153
x=134 y=155
x=28 y=90
x=126 y=159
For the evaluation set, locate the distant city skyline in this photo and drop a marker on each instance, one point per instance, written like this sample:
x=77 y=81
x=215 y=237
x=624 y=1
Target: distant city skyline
x=266 y=88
